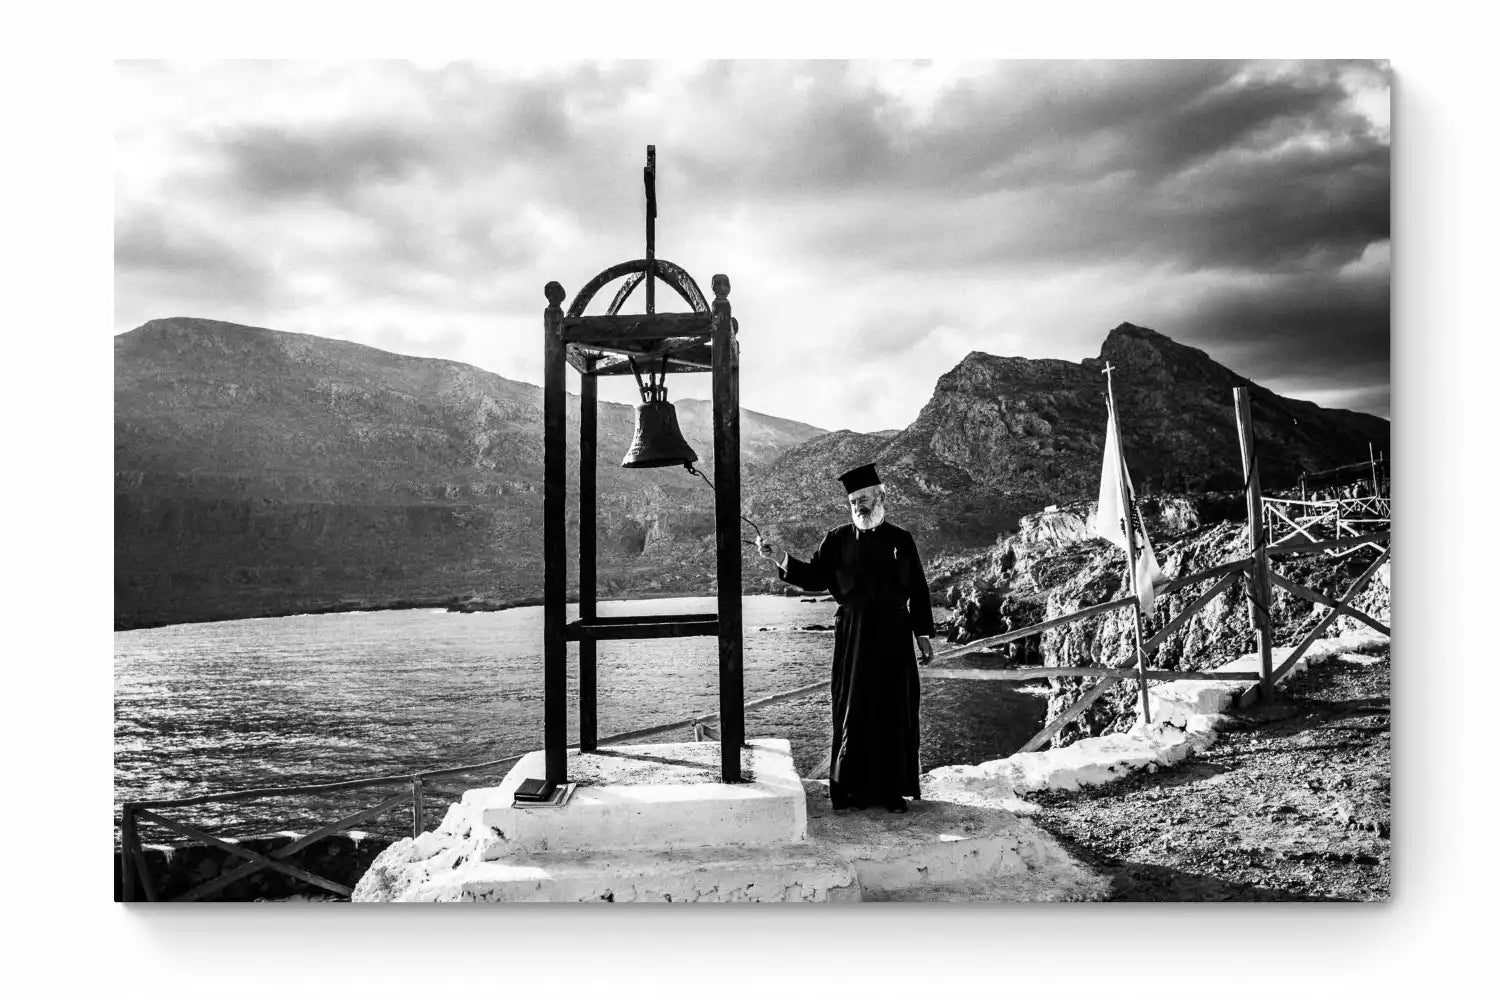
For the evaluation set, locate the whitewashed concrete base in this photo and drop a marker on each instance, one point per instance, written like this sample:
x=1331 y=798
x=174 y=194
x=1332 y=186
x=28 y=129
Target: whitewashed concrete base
x=653 y=797
x=482 y=853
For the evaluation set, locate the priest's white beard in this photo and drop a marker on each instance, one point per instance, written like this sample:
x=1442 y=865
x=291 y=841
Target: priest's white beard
x=864 y=522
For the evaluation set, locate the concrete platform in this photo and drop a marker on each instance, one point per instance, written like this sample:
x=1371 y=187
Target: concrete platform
x=941 y=851
x=654 y=797
x=801 y=873
x=654 y=824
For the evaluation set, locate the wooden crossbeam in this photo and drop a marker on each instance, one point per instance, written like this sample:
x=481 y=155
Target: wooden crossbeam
x=1171 y=586
x=1030 y=630
x=770 y=699
x=1339 y=609
x=632 y=327
x=691 y=616
x=605 y=629
x=1120 y=673
x=1308 y=594
x=1073 y=711
x=273 y=859
x=1192 y=609
x=257 y=862
x=1161 y=634
x=1300 y=549
x=1296 y=527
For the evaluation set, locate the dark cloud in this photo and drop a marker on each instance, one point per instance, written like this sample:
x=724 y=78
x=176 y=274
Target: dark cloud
x=1200 y=164
x=182 y=263
x=1318 y=330
x=269 y=161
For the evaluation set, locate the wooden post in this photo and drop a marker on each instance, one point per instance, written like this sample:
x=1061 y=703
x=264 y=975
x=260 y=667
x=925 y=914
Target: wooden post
x=416 y=807
x=726 y=376
x=1259 y=582
x=1129 y=509
x=554 y=540
x=128 y=848
x=1374 y=477
x=588 y=537
x=650 y=229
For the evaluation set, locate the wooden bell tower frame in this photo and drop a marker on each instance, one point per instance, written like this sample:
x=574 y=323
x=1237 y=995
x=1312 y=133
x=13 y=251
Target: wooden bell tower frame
x=701 y=341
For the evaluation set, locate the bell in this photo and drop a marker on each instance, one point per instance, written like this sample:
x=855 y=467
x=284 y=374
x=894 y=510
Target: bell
x=658 y=440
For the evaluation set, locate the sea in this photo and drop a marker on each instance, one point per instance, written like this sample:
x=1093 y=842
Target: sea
x=312 y=699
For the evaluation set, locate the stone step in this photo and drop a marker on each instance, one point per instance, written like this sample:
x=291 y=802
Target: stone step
x=791 y=873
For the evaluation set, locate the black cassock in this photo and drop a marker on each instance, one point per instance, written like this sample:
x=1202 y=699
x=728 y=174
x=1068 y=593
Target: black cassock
x=876 y=577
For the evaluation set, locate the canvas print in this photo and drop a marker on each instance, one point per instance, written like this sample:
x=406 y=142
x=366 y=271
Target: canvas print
x=752 y=481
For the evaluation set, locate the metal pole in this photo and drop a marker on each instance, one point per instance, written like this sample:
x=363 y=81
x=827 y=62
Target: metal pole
x=1259 y=584
x=1125 y=504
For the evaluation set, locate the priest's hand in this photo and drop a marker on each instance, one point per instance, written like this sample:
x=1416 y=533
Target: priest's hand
x=924 y=648
x=767 y=552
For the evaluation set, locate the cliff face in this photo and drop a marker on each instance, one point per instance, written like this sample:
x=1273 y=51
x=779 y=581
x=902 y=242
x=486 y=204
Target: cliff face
x=264 y=472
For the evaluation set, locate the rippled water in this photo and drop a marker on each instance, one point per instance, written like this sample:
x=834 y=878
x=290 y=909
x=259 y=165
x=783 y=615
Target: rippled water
x=287 y=701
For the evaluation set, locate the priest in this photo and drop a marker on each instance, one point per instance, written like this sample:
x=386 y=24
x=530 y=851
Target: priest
x=875 y=574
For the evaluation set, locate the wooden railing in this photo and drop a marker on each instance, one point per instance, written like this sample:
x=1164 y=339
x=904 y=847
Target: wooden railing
x=1324 y=520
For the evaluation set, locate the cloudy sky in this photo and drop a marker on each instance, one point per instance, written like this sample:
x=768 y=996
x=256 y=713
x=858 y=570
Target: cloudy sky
x=878 y=220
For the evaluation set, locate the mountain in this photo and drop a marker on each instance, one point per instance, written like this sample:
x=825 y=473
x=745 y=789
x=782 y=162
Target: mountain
x=262 y=472
x=1002 y=437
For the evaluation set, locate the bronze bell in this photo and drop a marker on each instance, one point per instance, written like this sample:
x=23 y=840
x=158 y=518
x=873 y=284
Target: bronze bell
x=658 y=440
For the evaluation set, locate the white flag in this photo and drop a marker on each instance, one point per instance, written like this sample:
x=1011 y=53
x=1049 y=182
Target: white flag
x=1109 y=520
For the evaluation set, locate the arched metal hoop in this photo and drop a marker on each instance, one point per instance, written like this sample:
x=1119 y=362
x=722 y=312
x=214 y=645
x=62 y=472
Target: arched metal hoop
x=675 y=278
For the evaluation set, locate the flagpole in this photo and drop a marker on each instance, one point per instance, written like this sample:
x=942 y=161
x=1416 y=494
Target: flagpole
x=1129 y=511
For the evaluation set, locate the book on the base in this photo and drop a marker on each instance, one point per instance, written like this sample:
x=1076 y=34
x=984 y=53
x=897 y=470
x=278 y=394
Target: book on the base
x=534 y=790
x=559 y=797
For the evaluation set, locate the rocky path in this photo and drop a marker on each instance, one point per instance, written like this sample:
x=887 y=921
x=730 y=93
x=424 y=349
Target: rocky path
x=1292 y=803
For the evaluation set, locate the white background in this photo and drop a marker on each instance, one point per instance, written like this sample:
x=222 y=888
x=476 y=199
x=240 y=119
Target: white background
x=65 y=937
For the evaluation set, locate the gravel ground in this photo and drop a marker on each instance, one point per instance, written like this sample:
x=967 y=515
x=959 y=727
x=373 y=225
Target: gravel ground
x=1292 y=803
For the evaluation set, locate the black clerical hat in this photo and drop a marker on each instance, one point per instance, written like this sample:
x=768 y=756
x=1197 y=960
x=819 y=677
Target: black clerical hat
x=859 y=477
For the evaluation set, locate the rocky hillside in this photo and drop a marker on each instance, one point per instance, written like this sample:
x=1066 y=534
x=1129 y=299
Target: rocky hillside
x=1002 y=437
x=1053 y=566
x=262 y=472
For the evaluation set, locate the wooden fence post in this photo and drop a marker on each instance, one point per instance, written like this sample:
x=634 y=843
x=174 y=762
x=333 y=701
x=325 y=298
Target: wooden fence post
x=1258 y=579
x=127 y=853
x=416 y=808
